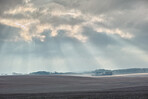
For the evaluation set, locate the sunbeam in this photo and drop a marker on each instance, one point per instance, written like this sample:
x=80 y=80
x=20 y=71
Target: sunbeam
x=72 y=36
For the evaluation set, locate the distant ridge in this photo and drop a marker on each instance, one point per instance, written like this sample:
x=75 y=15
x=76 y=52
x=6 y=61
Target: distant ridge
x=119 y=71
x=97 y=72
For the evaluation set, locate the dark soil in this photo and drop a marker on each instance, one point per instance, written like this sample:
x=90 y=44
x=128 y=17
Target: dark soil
x=71 y=87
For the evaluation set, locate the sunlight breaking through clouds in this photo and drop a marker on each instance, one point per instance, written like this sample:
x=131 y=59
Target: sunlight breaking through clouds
x=73 y=35
x=35 y=20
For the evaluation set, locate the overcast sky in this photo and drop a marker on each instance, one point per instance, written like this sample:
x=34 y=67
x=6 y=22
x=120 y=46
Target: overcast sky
x=73 y=35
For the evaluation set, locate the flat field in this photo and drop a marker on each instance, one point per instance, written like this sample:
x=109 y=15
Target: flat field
x=74 y=87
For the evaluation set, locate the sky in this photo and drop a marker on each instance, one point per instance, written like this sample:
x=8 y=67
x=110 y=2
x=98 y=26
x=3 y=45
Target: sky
x=72 y=35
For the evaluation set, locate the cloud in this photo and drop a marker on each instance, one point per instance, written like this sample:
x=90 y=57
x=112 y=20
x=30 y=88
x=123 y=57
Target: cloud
x=33 y=19
x=8 y=33
x=80 y=34
x=9 y=4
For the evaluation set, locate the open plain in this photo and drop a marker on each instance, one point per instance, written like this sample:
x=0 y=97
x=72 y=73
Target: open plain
x=73 y=87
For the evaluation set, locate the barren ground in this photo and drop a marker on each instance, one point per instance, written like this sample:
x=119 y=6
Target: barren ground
x=65 y=87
